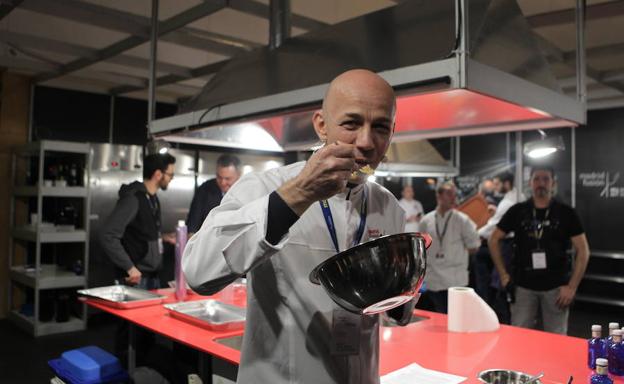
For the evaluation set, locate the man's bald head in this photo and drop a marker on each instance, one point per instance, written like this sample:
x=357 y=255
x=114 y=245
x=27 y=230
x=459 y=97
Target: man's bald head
x=358 y=110
x=360 y=84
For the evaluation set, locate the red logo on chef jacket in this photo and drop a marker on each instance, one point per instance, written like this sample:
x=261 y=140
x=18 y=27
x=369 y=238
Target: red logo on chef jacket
x=374 y=233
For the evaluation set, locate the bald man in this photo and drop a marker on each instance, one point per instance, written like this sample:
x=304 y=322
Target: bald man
x=276 y=226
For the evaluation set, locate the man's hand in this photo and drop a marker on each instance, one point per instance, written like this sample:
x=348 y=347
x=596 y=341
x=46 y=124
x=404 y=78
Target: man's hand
x=134 y=276
x=169 y=238
x=324 y=175
x=566 y=295
x=505 y=279
x=491 y=208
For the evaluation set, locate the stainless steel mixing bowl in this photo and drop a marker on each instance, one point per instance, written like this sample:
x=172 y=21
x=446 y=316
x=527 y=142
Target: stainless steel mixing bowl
x=375 y=276
x=504 y=376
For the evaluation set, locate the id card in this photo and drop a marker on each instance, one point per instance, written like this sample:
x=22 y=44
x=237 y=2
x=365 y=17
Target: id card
x=345 y=333
x=539 y=259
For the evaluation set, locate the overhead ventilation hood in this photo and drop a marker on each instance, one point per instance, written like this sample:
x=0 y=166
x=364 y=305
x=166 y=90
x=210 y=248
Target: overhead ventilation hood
x=458 y=67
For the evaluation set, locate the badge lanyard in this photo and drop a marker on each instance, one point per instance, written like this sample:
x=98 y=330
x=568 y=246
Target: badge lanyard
x=539 y=230
x=329 y=220
x=441 y=235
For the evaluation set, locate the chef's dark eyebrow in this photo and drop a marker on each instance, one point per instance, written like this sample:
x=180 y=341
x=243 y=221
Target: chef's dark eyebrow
x=359 y=117
x=353 y=116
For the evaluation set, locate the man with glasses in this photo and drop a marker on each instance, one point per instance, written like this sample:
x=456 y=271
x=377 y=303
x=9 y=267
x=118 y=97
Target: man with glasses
x=131 y=235
x=540 y=277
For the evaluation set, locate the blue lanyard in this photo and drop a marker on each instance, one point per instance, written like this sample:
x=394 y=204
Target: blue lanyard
x=329 y=220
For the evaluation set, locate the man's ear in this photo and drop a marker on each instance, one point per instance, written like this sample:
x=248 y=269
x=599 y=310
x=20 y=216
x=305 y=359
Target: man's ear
x=320 y=126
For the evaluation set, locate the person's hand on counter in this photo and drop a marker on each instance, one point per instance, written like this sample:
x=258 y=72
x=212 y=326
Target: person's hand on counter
x=134 y=276
x=566 y=295
x=325 y=174
x=169 y=238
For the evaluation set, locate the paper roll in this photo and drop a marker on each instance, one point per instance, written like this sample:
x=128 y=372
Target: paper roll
x=467 y=312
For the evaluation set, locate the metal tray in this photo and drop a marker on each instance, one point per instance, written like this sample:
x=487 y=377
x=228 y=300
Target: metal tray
x=122 y=296
x=209 y=314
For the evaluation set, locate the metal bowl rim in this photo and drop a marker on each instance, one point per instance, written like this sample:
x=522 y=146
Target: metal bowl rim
x=502 y=369
x=314 y=274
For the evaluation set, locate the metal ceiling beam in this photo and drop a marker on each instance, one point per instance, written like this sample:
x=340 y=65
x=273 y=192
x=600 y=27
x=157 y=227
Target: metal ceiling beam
x=569 y=59
x=40 y=66
x=566 y=16
x=204 y=70
x=112 y=19
x=599 y=51
x=255 y=8
x=7 y=6
x=50 y=45
x=115 y=49
x=20 y=63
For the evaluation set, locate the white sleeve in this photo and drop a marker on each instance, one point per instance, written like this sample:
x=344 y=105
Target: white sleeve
x=486 y=231
x=419 y=207
x=231 y=241
x=469 y=233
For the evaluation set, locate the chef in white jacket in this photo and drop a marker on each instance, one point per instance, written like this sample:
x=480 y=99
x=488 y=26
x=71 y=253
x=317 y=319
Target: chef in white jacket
x=272 y=227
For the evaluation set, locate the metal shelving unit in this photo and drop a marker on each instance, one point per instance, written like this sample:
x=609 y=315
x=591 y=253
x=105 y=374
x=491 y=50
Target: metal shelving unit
x=39 y=276
x=602 y=283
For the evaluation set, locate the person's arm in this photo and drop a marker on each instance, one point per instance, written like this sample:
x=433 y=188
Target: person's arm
x=233 y=238
x=567 y=292
x=497 y=257
x=195 y=217
x=486 y=231
x=470 y=235
x=112 y=231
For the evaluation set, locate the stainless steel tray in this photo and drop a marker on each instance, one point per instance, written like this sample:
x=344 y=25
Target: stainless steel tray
x=122 y=297
x=209 y=314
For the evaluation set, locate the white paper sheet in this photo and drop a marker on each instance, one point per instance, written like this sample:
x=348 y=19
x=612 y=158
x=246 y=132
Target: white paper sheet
x=414 y=373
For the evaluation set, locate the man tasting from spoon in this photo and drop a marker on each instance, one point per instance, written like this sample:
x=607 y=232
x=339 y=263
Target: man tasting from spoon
x=277 y=226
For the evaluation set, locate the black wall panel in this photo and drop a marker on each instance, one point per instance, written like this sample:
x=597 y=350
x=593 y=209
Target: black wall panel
x=61 y=114
x=600 y=178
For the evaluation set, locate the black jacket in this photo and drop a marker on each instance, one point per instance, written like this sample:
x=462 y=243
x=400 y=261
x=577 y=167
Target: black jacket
x=207 y=196
x=131 y=233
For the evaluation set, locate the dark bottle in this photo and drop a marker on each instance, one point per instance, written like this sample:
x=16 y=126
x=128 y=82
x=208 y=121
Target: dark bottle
x=77 y=267
x=62 y=308
x=612 y=327
x=73 y=175
x=596 y=346
x=615 y=354
x=601 y=375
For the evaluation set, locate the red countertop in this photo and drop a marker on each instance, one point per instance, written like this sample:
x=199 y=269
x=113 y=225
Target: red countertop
x=426 y=342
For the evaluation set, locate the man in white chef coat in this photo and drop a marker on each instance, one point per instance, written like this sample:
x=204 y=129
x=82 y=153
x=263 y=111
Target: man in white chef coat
x=412 y=207
x=272 y=226
x=454 y=236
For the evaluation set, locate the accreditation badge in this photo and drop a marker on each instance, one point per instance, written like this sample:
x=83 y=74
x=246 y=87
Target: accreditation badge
x=539 y=259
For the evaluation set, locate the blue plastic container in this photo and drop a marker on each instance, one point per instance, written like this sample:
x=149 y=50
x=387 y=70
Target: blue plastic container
x=88 y=365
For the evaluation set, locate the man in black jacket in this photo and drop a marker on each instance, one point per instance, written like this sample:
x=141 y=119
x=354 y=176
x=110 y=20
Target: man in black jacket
x=131 y=235
x=210 y=193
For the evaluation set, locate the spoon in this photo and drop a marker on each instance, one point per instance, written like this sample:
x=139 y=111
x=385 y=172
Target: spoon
x=534 y=378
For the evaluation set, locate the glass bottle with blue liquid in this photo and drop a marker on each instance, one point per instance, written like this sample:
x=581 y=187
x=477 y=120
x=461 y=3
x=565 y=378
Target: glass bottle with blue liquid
x=597 y=346
x=615 y=354
x=601 y=376
x=612 y=327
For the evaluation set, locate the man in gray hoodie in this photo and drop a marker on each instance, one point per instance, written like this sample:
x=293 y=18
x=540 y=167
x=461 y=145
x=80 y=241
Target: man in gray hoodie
x=131 y=234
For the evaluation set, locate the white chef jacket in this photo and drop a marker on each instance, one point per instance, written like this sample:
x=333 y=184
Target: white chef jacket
x=288 y=332
x=509 y=200
x=461 y=235
x=411 y=208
